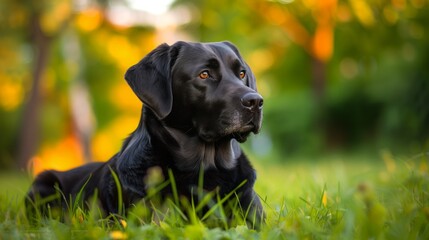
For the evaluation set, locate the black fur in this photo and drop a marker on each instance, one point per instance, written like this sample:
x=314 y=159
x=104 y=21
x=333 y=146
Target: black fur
x=188 y=124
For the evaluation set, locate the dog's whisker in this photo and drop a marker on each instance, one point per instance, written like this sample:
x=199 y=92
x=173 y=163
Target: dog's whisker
x=189 y=130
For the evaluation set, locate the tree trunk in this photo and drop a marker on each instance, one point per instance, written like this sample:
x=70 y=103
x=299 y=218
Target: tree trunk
x=30 y=125
x=319 y=80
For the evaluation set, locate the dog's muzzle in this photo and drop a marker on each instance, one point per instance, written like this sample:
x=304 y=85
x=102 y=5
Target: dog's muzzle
x=252 y=101
x=245 y=119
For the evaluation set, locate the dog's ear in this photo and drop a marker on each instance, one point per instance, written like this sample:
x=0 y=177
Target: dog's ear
x=150 y=79
x=250 y=80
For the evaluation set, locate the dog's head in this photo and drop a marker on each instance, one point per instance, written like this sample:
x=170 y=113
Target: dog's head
x=199 y=88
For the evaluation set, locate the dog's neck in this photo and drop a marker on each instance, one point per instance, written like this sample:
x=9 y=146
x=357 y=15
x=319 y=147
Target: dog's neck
x=191 y=152
x=187 y=152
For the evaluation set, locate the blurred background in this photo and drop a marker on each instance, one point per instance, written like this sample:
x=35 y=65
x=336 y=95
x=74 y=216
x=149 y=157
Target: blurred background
x=337 y=76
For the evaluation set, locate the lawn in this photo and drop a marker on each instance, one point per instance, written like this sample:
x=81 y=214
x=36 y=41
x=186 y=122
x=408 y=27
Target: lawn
x=335 y=197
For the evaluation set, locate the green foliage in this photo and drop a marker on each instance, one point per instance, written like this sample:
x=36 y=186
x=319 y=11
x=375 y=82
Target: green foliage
x=370 y=92
x=376 y=80
x=292 y=123
x=334 y=199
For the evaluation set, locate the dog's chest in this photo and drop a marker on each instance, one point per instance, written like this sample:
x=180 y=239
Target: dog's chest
x=192 y=153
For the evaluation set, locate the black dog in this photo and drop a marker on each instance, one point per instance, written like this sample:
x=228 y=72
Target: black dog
x=200 y=100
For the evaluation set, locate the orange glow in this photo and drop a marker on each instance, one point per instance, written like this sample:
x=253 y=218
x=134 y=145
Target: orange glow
x=64 y=155
x=309 y=3
x=103 y=146
x=124 y=98
x=323 y=43
x=325 y=10
x=323 y=40
x=399 y=4
x=276 y=15
x=11 y=94
x=363 y=12
x=289 y=23
x=343 y=13
x=122 y=51
x=89 y=19
x=109 y=140
x=261 y=60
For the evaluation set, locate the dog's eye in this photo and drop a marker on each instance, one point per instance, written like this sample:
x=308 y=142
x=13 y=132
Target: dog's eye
x=204 y=75
x=242 y=74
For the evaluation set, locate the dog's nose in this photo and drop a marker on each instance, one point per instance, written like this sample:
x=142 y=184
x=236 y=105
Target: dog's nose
x=252 y=101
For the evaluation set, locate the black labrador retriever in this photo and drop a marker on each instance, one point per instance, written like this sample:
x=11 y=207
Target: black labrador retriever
x=200 y=102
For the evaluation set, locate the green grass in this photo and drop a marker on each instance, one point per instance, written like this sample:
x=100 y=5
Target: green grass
x=334 y=198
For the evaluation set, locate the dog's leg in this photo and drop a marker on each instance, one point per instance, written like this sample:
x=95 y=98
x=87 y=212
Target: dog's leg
x=251 y=204
x=44 y=197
